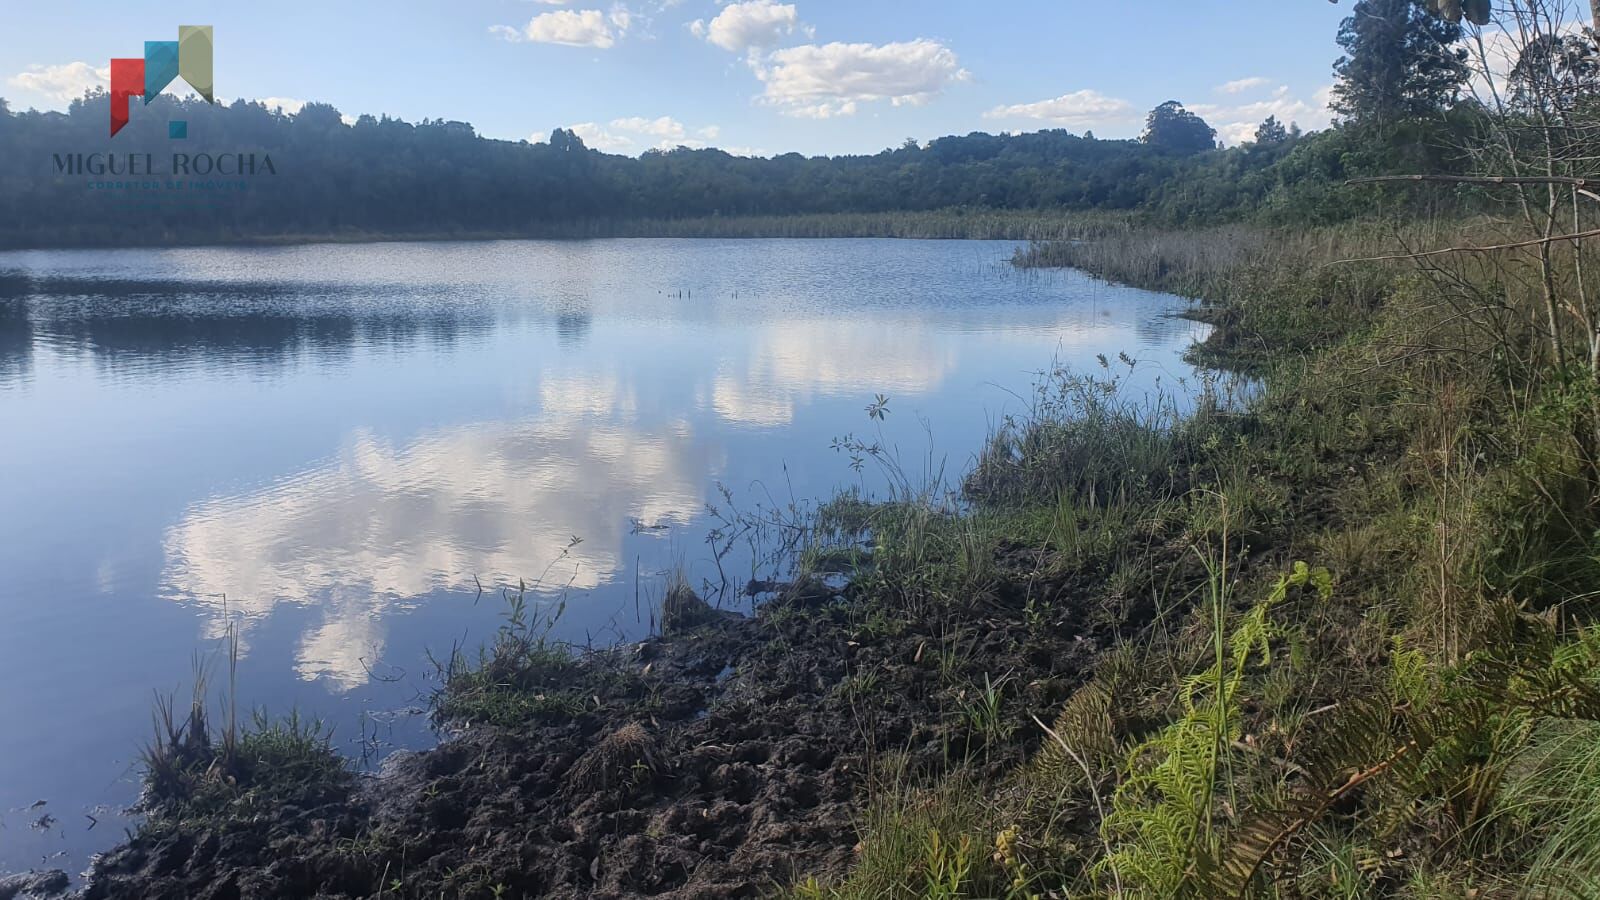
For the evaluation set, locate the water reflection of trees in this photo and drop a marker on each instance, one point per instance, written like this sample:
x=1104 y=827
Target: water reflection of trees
x=573 y=327
x=132 y=327
x=16 y=342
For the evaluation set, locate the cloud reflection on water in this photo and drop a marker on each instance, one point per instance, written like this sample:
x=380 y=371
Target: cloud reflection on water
x=382 y=525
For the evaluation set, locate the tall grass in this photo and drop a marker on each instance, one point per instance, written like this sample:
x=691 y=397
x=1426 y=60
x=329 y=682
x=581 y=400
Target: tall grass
x=1413 y=443
x=1091 y=437
x=973 y=224
x=1550 y=799
x=522 y=675
x=197 y=771
x=1183 y=262
x=940 y=224
x=918 y=843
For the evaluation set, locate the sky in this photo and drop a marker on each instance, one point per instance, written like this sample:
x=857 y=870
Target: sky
x=759 y=77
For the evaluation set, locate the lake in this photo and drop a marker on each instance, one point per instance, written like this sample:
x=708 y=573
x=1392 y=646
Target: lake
x=344 y=453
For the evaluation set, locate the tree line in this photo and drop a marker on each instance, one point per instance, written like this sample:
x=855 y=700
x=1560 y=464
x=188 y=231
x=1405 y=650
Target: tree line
x=1399 y=82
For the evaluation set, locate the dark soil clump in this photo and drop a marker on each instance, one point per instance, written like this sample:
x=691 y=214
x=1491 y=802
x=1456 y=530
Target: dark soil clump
x=28 y=885
x=725 y=759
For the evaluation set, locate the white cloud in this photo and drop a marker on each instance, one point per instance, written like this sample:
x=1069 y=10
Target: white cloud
x=631 y=135
x=63 y=83
x=574 y=29
x=748 y=26
x=597 y=138
x=286 y=105
x=832 y=79
x=1243 y=84
x=664 y=127
x=1079 y=108
x=580 y=28
x=823 y=110
x=1323 y=98
x=1236 y=123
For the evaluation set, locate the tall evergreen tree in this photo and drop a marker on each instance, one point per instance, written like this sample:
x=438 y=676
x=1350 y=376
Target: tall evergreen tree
x=1401 y=62
x=1174 y=129
x=1271 y=132
x=1555 y=73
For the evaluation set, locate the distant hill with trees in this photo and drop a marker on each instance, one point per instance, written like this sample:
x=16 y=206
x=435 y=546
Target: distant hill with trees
x=1399 y=94
x=386 y=176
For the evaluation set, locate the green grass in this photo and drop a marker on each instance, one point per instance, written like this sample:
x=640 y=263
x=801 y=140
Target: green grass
x=224 y=772
x=523 y=676
x=919 y=842
x=1550 y=798
x=473 y=699
x=1407 y=437
x=194 y=775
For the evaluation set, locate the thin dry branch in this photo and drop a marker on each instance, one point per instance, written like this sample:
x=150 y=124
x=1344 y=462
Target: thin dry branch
x=1580 y=185
x=1481 y=179
x=1536 y=242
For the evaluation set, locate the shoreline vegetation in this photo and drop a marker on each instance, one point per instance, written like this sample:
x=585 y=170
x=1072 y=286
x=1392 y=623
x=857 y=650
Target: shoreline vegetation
x=943 y=224
x=1331 y=643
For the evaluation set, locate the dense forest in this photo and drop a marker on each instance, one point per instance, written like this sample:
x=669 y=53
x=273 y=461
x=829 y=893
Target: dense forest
x=390 y=176
x=1404 y=102
x=435 y=178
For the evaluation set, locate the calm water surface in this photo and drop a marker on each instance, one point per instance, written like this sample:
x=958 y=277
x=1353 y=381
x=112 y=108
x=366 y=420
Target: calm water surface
x=332 y=447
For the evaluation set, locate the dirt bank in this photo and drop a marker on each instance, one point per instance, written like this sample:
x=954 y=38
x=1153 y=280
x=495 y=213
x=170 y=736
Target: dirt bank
x=724 y=759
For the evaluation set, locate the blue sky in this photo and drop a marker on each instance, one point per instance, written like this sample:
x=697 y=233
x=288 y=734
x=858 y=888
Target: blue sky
x=814 y=76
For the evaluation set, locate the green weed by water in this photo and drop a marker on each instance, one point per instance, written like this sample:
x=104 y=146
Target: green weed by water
x=984 y=711
x=524 y=675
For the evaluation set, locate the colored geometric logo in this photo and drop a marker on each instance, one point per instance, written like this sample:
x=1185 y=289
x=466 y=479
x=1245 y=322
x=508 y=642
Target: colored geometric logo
x=188 y=57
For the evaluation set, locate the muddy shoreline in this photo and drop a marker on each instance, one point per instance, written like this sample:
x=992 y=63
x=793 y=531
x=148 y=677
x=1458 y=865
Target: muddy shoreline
x=728 y=757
